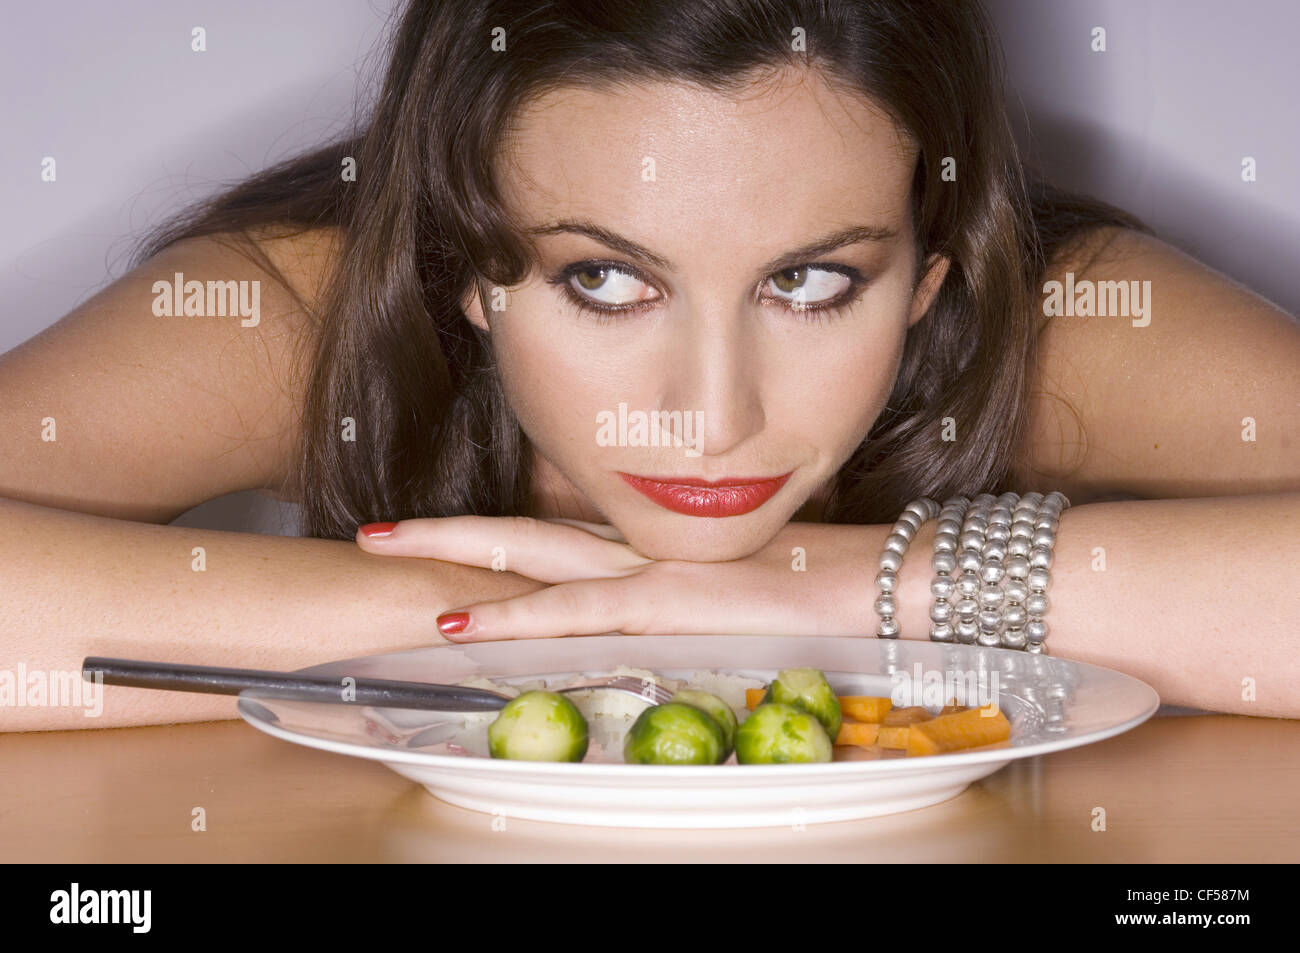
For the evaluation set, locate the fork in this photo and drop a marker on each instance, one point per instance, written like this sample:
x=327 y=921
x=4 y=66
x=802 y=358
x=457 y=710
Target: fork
x=332 y=689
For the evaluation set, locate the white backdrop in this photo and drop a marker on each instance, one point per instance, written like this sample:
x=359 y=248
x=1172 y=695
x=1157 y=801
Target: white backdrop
x=140 y=125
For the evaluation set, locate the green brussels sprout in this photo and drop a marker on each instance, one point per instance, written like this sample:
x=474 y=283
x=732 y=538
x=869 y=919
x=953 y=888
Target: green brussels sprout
x=713 y=705
x=808 y=689
x=780 y=734
x=674 y=733
x=539 y=726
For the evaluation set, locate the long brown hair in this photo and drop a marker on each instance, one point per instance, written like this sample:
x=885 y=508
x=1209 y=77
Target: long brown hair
x=433 y=432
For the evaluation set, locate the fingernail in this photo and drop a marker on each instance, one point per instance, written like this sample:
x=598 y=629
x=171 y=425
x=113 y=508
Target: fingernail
x=450 y=623
x=371 y=530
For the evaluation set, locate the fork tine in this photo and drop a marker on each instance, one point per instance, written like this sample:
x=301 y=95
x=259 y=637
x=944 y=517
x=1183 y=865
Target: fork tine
x=633 y=685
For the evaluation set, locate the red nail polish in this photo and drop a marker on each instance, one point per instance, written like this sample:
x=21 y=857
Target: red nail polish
x=450 y=622
x=377 y=529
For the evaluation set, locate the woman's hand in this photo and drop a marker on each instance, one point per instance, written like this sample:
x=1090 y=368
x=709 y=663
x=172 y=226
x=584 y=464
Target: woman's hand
x=600 y=584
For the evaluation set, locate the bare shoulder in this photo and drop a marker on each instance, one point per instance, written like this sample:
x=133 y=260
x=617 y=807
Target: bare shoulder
x=179 y=382
x=302 y=262
x=1158 y=376
x=303 y=258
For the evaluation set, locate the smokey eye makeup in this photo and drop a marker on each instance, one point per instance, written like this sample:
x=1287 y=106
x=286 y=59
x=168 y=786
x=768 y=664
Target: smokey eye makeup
x=828 y=289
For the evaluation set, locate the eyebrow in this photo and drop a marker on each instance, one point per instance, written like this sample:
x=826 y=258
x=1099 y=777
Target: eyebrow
x=847 y=236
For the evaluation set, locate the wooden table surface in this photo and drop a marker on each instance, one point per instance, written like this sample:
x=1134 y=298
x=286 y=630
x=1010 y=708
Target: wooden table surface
x=1208 y=788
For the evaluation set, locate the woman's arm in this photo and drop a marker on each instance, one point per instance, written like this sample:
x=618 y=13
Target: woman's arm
x=1195 y=597
x=77 y=585
x=116 y=419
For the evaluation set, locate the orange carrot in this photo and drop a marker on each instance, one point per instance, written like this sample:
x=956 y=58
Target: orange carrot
x=907 y=716
x=754 y=697
x=894 y=728
x=967 y=729
x=865 y=707
x=856 y=733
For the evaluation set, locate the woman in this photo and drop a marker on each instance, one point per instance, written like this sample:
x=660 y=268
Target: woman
x=802 y=228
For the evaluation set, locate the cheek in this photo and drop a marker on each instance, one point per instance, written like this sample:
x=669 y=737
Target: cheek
x=867 y=367
x=869 y=381
x=832 y=393
x=553 y=382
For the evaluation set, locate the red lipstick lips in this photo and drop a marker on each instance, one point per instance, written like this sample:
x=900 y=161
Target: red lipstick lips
x=731 y=497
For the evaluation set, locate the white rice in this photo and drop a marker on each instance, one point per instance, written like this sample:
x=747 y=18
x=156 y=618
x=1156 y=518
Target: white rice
x=730 y=688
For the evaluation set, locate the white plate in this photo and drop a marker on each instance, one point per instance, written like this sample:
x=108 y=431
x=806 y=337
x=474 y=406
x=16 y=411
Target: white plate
x=1052 y=703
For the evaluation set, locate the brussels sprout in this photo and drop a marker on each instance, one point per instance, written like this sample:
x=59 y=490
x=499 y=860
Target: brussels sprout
x=713 y=705
x=779 y=734
x=674 y=733
x=539 y=726
x=808 y=689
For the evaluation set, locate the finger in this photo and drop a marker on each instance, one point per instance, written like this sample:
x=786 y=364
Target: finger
x=667 y=599
x=587 y=607
x=538 y=549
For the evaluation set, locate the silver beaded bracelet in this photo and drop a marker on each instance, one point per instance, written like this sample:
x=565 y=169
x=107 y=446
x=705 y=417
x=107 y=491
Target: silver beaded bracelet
x=913 y=517
x=1003 y=548
x=944 y=561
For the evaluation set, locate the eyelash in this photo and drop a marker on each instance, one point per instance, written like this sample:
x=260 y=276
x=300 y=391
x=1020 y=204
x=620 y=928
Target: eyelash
x=608 y=315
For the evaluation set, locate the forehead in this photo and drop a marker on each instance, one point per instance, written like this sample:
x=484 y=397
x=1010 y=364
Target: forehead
x=658 y=157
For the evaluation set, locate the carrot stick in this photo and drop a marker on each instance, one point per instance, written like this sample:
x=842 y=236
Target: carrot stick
x=865 y=707
x=894 y=728
x=857 y=733
x=967 y=729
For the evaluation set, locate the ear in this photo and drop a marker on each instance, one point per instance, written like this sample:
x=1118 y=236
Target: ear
x=936 y=268
x=472 y=305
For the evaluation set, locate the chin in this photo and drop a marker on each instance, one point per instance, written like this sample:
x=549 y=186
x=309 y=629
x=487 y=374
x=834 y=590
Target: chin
x=707 y=544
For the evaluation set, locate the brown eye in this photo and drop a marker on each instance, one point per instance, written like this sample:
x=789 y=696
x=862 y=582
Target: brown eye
x=790 y=279
x=607 y=285
x=804 y=286
x=591 y=278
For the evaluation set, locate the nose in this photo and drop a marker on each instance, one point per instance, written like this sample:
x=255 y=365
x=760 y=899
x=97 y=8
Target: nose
x=713 y=367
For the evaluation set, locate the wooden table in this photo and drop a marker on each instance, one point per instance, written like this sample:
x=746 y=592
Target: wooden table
x=1195 y=788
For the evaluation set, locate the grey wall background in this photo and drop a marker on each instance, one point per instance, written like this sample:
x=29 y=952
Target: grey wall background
x=1160 y=122
x=140 y=125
